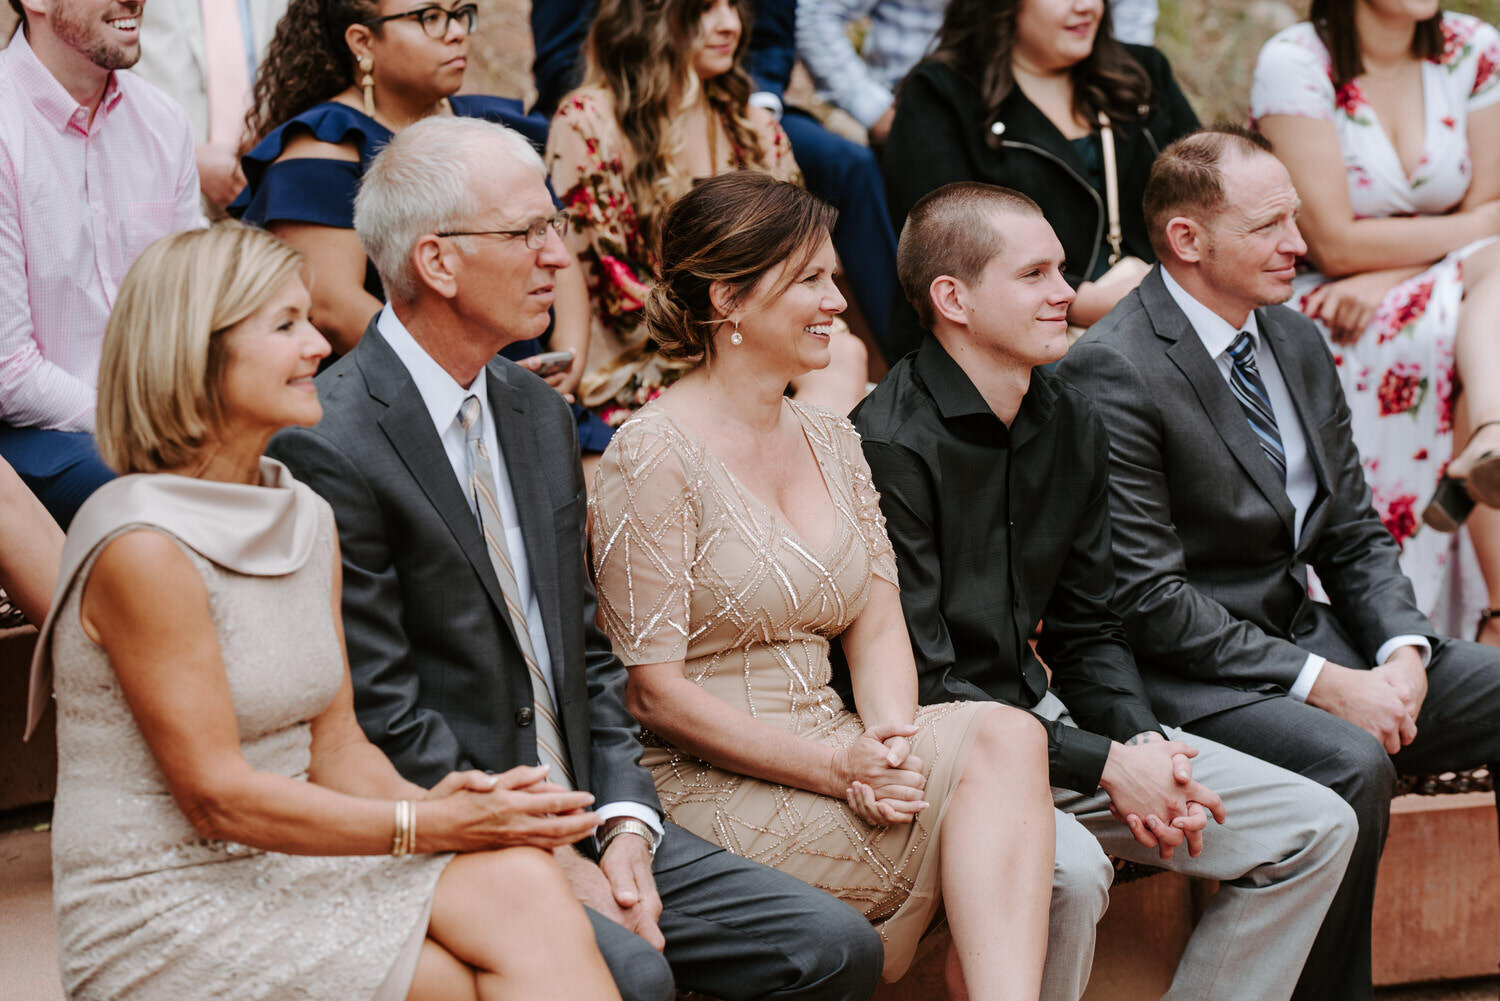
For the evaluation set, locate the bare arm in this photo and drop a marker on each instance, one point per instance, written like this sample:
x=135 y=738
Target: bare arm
x=30 y=547
x=1340 y=244
x=882 y=670
x=341 y=308
x=146 y=605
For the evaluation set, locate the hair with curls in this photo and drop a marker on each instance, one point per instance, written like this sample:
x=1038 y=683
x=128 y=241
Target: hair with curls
x=731 y=230
x=641 y=51
x=976 y=40
x=307 y=62
x=1333 y=20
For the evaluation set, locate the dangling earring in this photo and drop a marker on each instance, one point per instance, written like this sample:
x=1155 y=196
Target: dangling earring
x=366 y=66
x=735 y=337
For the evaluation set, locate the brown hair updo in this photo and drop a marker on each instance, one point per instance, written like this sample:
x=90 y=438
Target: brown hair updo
x=733 y=229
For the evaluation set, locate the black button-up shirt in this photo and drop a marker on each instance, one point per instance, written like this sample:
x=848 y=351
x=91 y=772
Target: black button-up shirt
x=997 y=529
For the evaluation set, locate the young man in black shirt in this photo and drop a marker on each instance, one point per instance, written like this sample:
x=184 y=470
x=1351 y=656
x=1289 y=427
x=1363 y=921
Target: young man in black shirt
x=994 y=481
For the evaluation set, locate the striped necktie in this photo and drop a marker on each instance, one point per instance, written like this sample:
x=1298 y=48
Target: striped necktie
x=551 y=749
x=1245 y=383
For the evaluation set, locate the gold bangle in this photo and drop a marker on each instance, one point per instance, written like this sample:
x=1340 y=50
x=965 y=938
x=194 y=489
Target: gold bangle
x=411 y=828
x=401 y=842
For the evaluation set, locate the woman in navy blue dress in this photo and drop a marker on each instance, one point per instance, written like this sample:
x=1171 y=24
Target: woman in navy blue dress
x=339 y=79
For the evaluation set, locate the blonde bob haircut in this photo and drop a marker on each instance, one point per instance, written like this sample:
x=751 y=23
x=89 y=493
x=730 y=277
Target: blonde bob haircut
x=162 y=362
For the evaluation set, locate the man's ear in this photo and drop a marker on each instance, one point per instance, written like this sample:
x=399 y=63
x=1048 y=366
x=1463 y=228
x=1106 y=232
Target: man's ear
x=434 y=262
x=949 y=299
x=1185 y=238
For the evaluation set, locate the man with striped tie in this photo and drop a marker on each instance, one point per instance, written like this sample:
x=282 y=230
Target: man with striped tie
x=1232 y=472
x=454 y=479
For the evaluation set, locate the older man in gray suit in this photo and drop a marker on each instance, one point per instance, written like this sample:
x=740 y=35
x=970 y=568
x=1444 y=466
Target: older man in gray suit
x=1232 y=471
x=455 y=482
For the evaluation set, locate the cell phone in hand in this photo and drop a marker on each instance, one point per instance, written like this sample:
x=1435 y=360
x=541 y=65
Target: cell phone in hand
x=552 y=362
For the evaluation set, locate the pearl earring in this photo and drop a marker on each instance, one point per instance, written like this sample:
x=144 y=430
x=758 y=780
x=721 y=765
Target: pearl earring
x=366 y=66
x=735 y=338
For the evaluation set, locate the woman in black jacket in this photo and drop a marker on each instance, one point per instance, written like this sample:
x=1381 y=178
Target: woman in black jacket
x=1012 y=95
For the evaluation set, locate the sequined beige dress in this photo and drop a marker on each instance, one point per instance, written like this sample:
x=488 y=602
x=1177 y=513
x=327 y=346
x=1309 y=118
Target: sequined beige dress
x=692 y=567
x=148 y=909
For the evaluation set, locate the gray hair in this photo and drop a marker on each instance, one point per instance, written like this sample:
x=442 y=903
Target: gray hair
x=421 y=183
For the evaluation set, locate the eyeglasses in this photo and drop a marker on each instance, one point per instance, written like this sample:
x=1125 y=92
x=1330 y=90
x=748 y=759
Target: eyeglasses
x=536 y=233
x=435 y=20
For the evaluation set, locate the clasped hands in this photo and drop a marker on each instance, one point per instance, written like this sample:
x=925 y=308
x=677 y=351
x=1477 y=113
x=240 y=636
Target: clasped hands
x=879 y=776
x=1152 y=791
x=519 y=807
x=1383 y=701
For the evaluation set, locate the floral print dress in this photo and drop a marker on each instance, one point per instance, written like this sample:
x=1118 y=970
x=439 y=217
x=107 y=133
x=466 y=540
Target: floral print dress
x=587 y=157
x=1398 y=376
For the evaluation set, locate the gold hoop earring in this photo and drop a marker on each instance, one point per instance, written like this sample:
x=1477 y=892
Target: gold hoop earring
x=366 y=66
x=735 y=338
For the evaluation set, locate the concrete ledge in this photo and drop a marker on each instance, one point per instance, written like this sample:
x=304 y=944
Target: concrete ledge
x=1437 y=906
x=28 y=772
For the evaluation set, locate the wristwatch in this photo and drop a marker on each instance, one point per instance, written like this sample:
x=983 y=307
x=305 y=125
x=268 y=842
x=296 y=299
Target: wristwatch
x=629 y=826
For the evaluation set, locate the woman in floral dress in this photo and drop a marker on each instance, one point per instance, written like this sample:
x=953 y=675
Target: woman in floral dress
x=1401 y=275
x=664 y=101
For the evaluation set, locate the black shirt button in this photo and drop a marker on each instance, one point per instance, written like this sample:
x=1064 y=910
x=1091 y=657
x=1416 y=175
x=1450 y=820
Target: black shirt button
x=523 y=716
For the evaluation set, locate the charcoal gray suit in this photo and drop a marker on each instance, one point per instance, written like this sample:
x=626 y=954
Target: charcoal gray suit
x=1212 y=583
x=440 y=683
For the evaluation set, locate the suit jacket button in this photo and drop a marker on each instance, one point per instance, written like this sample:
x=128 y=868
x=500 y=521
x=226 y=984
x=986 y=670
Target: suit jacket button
x=523 y=716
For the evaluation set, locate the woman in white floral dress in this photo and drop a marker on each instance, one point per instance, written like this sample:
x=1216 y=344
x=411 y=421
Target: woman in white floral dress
x=1387 y=115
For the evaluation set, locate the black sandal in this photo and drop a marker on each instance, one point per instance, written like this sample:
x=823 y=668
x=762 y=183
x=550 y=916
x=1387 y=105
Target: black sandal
x=1485 y=615
x=1456 y=496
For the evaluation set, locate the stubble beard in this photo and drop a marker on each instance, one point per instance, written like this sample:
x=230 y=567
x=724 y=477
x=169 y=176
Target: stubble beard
x=83 y=35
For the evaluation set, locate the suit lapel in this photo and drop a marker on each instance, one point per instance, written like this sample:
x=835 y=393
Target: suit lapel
x=1294 y=373
x=407 y=425
x=1187 y=352
x=523 y=465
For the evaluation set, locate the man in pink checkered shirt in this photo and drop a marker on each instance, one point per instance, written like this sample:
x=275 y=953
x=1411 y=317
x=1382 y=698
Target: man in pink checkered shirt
x=95 y=165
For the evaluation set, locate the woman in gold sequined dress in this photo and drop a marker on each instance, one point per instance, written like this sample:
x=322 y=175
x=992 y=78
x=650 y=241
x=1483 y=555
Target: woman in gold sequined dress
x=735 y=533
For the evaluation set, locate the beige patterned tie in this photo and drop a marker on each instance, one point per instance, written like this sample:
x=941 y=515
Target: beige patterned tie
x=549 y=742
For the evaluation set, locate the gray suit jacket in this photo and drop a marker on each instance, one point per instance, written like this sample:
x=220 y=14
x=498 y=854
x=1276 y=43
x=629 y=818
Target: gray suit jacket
x=439 y=682
x=1211 y=584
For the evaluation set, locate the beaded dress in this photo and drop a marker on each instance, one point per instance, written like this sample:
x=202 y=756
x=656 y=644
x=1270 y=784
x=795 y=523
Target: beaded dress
x=147 y=908
x=692 y=567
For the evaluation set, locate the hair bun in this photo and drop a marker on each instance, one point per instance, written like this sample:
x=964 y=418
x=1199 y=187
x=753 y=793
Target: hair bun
x=671 y=323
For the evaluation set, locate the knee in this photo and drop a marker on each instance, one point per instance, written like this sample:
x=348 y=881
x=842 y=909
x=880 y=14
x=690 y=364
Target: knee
x=1012 y=739
x=644 y=976
x=1361 y=772
x=1081 y=878
x=844 y=960
x=1334 y=824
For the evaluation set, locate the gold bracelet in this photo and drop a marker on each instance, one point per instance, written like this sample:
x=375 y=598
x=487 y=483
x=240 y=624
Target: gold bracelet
x=401 y=843
x=411 y=828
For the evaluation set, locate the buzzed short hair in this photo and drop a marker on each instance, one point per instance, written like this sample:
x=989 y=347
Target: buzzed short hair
x=1187 y=179
x=948 y=232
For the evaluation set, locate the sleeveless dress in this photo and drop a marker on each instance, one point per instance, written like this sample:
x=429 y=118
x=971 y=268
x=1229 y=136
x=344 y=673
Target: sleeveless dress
x=148 y=909
x=692 y=567
x=1398 y=377
x=321 y=191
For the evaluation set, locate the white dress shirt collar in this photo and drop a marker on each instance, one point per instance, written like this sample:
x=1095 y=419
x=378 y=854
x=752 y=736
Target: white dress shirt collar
x=441 y=393
x=1213 y=330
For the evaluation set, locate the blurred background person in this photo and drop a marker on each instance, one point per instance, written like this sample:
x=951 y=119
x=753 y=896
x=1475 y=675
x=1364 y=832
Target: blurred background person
x=842 y=173
x=211 y=770
x=1388 y=118
x=664 y=102
x=94 y=165
x=204 y=54
x=1038 y=96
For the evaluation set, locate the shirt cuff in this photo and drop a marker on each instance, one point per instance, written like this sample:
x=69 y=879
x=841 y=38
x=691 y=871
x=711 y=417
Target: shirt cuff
x=1390 y=646
x=627 y=808
x=769 y=101
x=1307 y=677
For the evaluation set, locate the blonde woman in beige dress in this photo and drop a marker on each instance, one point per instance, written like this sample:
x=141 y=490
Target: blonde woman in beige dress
x=734 y=534
x=209 y=759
